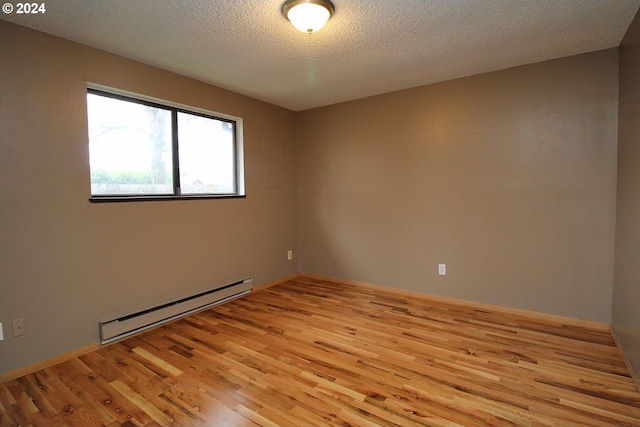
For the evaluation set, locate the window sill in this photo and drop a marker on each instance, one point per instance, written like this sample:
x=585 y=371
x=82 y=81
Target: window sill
x=158 y=198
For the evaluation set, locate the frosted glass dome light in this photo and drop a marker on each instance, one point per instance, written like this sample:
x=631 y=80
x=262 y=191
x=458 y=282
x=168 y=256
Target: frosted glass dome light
x=308 y=16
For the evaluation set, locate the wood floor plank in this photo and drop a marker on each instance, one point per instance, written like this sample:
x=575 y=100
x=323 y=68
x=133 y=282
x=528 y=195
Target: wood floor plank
x=315 y=352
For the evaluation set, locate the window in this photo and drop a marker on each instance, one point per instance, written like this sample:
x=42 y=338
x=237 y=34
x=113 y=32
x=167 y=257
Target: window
x=145 y=150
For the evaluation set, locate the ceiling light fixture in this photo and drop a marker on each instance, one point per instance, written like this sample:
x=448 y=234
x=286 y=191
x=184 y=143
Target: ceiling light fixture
x=308 y=16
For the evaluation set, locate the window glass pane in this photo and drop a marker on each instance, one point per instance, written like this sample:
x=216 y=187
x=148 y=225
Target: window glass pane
x=129 y=146
x=206 y=154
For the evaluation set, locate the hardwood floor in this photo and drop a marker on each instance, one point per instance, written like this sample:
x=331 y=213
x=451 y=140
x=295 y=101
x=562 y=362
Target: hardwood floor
x=309 y=352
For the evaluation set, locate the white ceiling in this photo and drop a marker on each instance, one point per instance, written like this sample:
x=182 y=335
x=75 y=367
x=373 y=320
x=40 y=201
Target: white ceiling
x=369 y=47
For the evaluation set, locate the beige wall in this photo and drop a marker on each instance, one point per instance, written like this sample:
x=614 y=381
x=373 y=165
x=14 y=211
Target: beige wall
x=64 y=262
x=626 y=290
x=509 y=178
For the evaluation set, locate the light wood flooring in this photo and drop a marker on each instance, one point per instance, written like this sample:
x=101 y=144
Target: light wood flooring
x=311 y=352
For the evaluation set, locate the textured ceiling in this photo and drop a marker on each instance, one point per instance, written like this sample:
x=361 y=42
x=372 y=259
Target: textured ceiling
x=369 y=47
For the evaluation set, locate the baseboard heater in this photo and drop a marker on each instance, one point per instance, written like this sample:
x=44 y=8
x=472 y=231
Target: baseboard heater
x=115 y=329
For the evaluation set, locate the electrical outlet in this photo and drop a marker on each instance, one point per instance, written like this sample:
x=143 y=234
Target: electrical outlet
x=18 y=327
x=442 y=269
x=289 y=255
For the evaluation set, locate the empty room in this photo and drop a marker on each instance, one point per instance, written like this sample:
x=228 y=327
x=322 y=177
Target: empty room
x=320 y=213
